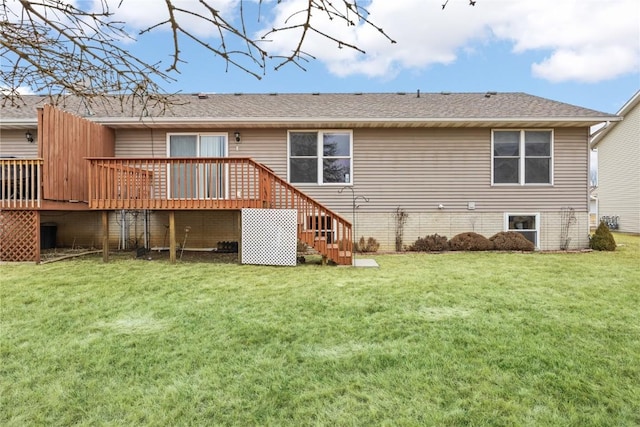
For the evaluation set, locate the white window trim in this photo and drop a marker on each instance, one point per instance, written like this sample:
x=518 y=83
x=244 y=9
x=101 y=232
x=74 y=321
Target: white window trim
x=320 y=157
x=198 y=135
x=536 y=215
x=521 y=160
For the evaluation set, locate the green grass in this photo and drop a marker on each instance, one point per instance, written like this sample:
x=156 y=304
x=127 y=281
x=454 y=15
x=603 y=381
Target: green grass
x=453 y=339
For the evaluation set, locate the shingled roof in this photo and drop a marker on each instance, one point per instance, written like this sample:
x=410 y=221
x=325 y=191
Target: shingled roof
x=324 y=109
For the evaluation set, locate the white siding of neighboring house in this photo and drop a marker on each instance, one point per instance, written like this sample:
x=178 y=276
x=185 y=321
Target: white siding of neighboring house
x=619 y=173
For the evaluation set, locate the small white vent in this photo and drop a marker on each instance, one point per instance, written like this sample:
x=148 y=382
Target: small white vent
x=269 y=236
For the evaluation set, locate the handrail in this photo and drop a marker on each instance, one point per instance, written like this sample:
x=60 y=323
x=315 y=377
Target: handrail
x=20 y=183
x=214 y=183
x=318 y=226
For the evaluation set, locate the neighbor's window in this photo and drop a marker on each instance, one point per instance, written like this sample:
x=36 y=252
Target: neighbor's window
x=522 y=156
x=320 y=157
x=525 y=224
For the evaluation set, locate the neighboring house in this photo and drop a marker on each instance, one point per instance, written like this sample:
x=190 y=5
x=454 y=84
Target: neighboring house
x=593 y=207
x=452 y=162
x=618 y=145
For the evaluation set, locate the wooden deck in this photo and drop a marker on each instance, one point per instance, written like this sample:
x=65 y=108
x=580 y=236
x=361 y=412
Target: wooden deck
x=173 y=184
x=20 y=183
x=187 y=183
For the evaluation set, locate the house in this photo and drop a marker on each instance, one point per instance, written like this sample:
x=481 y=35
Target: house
x=618 y=145
x=126 y=174
x=593 y=207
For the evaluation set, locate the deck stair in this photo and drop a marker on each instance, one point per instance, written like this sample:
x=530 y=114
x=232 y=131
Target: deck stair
x=177 y=183
x=318 y=227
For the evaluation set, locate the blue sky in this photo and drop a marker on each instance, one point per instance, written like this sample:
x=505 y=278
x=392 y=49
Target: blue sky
x=583 y=52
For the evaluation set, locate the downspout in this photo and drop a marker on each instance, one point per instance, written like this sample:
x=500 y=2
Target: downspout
x=590 y=137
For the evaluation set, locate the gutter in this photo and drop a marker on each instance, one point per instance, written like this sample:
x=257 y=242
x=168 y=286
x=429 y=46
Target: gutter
x=18 y=123
x=258 y=121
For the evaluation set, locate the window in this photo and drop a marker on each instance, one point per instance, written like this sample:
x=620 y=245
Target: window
x=320 y=157
x=525 y=224
x=190 y=179
x=522 y=157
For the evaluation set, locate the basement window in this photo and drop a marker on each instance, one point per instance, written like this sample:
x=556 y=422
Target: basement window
x=526 y=224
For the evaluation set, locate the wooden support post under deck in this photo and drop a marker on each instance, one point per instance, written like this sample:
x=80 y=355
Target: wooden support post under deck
x=105 y=236
x=38 y=237
x=172 y=237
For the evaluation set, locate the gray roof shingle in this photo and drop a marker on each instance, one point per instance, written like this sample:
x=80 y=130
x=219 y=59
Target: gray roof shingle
x=326 y=106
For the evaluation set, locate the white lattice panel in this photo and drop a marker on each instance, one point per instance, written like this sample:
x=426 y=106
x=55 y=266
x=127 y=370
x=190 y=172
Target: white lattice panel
x=269 y=236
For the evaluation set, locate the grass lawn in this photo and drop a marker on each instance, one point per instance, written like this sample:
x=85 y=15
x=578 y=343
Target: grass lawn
x=452 y=339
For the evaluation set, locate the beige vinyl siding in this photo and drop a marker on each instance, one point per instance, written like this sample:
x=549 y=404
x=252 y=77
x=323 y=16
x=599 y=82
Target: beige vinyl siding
x=14 y=143
x=141 y=143
x=619 y=173
x=417 y=170
x=420 y=169
x=268 y=146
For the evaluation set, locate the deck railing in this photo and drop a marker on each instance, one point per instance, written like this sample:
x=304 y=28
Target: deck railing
x=214 y=183
x=20 y=181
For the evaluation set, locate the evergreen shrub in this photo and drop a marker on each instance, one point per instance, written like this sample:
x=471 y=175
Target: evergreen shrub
x=602 y=240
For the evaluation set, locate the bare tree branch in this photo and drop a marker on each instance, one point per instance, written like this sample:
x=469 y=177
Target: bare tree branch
x=55 y=47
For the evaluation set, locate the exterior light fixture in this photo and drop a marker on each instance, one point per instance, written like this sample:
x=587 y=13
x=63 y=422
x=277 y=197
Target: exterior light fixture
x=237 y=135
x=29 y=137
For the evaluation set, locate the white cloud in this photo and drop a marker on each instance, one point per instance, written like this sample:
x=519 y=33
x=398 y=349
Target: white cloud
x=141 y=14
x=582 y=40
x=22 y=90
x=588 y=65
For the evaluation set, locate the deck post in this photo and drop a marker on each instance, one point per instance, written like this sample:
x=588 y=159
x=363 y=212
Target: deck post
x=105 y=236
x=38 y=237
x=172 y=237
x=265 y=189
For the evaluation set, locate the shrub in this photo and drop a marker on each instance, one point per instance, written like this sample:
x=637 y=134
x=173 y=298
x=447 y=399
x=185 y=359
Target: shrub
x=602 y=240
x=511 y=241
x=430 y=243
x=371 y=245
x=470 y=242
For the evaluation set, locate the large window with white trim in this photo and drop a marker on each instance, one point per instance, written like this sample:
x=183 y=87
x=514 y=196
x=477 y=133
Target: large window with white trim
x=526 y=224
x=522 y=157
x=320 y=157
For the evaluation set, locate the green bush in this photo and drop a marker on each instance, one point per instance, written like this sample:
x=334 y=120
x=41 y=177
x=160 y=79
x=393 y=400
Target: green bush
x=432 y=243
x=511 y=241
x=371 y=245
x=602 y=240
x=470 y=241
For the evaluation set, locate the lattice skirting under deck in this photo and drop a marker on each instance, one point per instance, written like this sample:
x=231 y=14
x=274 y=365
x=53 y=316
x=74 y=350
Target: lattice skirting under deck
x=19 y=232
x=269 y=236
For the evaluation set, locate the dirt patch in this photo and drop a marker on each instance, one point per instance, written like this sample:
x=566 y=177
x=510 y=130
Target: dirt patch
x=59 y=254
x=191 y=256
